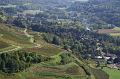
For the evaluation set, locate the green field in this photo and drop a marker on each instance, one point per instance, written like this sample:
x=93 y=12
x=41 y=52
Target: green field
x=99 y=74
x=7 y=6
x=117 y=34
x=45 y=50
x=117 y=28
x=31 y=12
x=113 y=73
x=10 y=34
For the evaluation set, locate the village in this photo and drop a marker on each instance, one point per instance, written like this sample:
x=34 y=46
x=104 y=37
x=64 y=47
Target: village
x=107 y=60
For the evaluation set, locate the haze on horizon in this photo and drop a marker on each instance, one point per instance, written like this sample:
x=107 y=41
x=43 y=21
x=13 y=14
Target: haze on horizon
x=81 y=0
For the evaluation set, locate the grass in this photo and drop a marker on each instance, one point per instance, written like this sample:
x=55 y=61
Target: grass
x=113 y=73
x=31 y=12
x=117 y=28
x=8 y=6
x=115 y=34
x=73 y=69
x=53 y=70
x=47 y=50
x=11 y=34
x=99 y=74
x=3 y=45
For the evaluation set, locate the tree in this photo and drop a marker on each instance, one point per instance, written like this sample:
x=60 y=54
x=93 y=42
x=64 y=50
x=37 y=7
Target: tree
x=56 y=40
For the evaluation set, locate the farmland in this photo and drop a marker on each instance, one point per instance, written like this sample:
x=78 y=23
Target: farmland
x=113 y=73
x=113 y=32
x=31 y=12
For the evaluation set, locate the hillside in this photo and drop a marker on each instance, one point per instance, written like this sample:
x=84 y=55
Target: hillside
x=56 y=63
x=59 y=39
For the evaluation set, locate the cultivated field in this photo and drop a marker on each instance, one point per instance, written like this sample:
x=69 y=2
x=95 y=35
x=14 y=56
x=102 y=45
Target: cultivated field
x=113 y=32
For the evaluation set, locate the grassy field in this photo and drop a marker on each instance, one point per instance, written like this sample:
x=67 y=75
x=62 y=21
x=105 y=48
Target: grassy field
x=113 y=73
x=31 y=12
x=113 y=32
x=117 y=28
x=47 y=50
x=99 y=74
x=7 y=6
x=116 y=34
x=3 y=45
x=12 y=36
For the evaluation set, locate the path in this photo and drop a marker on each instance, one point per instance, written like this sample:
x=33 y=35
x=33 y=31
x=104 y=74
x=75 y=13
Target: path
x=19 y=47
x=31 y=38
x=14 y=49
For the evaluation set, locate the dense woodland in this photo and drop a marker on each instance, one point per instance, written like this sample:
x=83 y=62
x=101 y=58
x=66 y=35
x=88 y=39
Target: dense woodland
x=18 y=61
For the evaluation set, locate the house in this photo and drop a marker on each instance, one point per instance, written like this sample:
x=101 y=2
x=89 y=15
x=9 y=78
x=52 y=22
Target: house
x=98 y=57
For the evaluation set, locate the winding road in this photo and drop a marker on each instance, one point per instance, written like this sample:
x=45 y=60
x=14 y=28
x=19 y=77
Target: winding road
x=31 y=38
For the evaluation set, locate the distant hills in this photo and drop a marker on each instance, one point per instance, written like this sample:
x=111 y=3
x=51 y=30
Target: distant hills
x=99 y=12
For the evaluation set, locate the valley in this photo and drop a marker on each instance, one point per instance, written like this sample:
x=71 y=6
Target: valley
x=59 y=39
